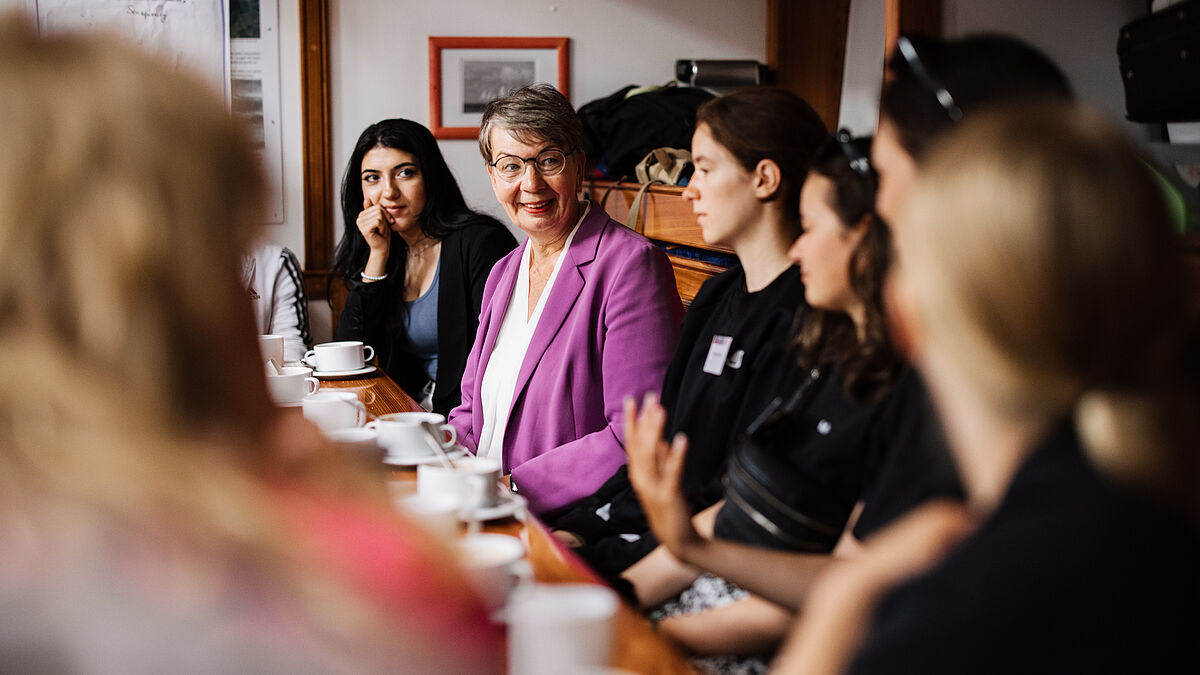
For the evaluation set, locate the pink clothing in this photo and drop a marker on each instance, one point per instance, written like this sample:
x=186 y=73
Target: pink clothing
x=401 y=569
x=607 y=331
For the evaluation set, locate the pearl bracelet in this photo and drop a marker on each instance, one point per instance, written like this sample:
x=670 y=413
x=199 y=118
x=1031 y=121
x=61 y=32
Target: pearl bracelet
x=368 y=277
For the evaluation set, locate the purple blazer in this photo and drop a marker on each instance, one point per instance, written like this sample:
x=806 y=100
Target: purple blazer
x=607 y=331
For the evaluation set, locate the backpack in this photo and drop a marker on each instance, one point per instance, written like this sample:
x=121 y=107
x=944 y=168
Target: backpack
x=620 y=129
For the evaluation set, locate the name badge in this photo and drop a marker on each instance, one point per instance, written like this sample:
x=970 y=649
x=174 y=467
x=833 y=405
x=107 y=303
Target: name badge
x=714 y=363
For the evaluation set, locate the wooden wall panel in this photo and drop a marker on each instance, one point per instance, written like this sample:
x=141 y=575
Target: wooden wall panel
x=318 y=197
x=806 y=50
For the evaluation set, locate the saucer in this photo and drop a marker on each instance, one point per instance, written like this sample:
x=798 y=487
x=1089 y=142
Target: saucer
x=510 y=503
x=423 y=459
x=289 y=404
x=334 y=374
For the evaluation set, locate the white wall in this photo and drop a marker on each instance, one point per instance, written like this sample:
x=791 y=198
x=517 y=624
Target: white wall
x=291 y=232
x=1079 y=35
x=863 y=74
x=379 y=64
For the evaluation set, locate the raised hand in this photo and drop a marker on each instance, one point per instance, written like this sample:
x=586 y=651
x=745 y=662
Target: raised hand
x=656 y=472
x=375 y=225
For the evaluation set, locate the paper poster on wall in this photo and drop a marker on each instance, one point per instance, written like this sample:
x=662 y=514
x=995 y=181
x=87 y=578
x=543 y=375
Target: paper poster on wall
x=232 y=43
x=254 y=87
x=187 y=33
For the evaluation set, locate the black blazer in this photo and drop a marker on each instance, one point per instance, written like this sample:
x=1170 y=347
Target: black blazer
x=374 y=312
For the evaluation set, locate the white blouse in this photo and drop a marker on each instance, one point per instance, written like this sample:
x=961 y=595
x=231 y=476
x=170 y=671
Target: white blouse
x=504 y=363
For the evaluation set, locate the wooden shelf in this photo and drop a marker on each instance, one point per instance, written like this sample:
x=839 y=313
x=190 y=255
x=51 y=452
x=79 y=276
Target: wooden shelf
x=665 y=217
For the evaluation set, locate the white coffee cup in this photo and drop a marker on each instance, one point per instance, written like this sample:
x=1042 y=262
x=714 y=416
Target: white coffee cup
x=339 y=356
x=437 y=514
x=271 y=347
x=472 y=481
x=292 y=384
x=560 y=628
x=332 y=410
x=403 y=435
x=490 y=561
x=356 y=438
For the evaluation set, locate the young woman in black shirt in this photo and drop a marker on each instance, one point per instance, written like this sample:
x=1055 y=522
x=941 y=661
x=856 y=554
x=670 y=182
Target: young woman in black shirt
x=1042 y=287
x=816 y=427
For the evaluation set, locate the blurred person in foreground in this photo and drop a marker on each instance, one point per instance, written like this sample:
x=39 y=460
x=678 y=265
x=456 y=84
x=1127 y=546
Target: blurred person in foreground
x=157 y=513
x=1039 y=287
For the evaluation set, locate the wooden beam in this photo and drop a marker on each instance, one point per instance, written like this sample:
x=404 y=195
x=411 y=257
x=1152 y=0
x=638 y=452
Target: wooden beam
x=806 y=50
x=314 y=91
x=910 y=17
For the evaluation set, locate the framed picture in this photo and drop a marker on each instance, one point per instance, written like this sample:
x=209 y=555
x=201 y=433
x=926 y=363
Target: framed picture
x=467 y=72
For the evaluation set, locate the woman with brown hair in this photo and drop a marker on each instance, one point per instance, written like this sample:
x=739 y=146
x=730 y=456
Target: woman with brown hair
x=752 y=150
x=157 y=512
x=1040 y=284
x=820 y=419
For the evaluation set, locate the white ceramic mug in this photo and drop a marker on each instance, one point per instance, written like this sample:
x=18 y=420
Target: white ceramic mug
x=437 y=514
x=490 y=561
x=403 y=435
x=271 y=347
x=472 y=481
x=355 y=438
x=331 y=410
x=339 y=356
x=292 y=385
x=560 y=628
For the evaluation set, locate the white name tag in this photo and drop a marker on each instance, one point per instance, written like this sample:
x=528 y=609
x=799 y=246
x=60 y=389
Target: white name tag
x=714 y=363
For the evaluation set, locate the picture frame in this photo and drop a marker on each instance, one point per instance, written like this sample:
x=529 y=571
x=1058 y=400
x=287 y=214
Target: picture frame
x=467 y=72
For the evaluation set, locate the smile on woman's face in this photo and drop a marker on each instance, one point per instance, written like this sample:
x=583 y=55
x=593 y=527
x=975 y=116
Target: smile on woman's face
x=897 y=171
x=542 y=206
x=823 y=251
x=721 y=191
x=392 y=179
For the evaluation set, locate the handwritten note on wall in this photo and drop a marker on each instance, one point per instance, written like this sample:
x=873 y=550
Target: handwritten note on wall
x=188 y=33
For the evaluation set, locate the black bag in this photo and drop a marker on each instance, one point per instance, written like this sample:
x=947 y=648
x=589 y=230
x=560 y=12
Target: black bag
x=619 y=131
x=767 y=502
x=1160 y=65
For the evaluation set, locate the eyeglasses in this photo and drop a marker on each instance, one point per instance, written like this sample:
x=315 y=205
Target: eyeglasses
x=858 y=163
x=906 y=49
x=549 y=162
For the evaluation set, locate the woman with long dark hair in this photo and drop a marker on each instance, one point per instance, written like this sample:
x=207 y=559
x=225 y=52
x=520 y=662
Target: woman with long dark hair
x=1043 y=289
x=836 y=394
x=414 y=259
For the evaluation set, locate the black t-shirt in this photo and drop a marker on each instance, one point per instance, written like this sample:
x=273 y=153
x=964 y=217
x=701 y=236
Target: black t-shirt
x=913 y=465
x=711 y=407
x=1071 y=574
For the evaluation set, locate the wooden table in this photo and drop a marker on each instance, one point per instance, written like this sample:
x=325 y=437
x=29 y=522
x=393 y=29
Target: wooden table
x=637 y=648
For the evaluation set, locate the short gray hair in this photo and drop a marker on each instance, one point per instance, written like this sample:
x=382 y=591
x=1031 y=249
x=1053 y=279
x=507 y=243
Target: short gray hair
x=537 y=112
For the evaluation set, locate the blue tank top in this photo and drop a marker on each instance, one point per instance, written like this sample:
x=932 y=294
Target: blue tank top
x=420 y=326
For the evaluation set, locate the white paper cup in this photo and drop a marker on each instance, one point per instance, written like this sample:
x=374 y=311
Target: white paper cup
x=473 y=482
x=271 y=347
x=292 y=385
x=560 y=628
x=490 y=561
x=332 y=410
x=404 y=437
x=339 y=356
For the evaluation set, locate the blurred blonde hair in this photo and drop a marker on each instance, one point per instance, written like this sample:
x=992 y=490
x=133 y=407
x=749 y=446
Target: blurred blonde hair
x=1040 y=255
x=133 y=410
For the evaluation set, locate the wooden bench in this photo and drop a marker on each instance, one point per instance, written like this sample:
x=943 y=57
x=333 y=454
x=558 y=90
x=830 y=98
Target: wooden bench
x=666 y=218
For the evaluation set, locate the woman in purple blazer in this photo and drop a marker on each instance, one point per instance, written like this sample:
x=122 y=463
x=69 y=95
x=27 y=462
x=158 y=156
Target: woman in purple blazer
x=580 y=316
